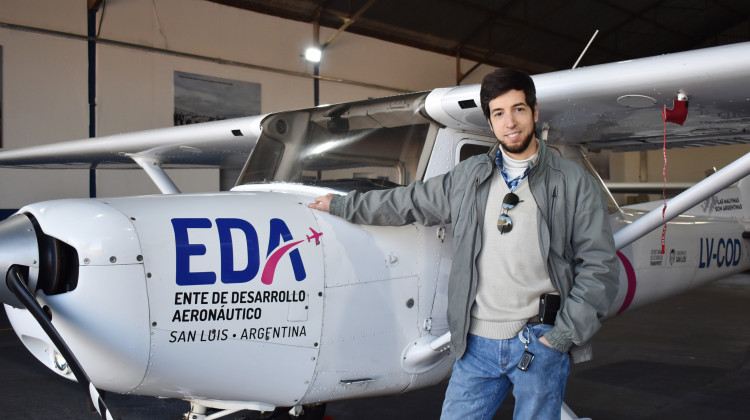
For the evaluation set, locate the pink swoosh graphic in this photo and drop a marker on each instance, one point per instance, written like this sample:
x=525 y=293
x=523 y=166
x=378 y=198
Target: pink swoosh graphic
x=630 y=272
x=270 y=269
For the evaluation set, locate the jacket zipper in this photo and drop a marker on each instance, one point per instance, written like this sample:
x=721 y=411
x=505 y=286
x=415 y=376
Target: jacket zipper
x=554 y=196
x=550 y=268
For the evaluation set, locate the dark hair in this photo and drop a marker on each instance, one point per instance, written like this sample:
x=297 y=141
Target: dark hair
x=503 y=80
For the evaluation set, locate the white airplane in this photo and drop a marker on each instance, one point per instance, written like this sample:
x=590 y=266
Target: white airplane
x=226 y=301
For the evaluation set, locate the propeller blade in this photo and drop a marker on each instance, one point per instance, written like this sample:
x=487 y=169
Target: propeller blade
x=17 y=284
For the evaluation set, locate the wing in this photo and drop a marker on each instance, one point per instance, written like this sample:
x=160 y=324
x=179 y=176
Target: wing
x=224 y=144
x=619 y=105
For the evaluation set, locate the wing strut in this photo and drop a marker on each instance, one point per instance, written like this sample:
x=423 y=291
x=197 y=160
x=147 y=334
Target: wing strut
x=425 y=353
x=684 y=201
x=156 y=173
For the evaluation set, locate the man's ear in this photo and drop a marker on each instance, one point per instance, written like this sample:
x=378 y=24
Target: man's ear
x=536 y=112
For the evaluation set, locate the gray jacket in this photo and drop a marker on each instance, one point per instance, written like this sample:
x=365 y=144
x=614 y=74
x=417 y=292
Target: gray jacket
x=574 y=234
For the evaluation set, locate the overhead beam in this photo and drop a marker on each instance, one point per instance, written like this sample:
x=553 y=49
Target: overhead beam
x=348 y=22
x=642 y=16
x=739 y=18
x=498 y=16
x=95 y=4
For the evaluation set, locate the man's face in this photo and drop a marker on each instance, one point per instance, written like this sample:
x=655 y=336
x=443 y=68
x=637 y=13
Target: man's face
x=512 y=121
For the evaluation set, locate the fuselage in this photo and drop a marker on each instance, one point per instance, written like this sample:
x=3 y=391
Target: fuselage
x=217 y=296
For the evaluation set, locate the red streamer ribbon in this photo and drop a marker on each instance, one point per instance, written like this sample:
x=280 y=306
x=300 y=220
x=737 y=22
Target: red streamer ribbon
x=677 y=115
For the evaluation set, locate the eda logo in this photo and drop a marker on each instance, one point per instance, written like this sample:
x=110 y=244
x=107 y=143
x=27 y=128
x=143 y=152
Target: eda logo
x=278 y=232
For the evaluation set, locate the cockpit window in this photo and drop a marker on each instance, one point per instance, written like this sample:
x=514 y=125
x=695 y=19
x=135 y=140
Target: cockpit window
x=358 y=146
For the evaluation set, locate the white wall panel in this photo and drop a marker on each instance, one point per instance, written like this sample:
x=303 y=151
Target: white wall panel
x=45 y=84
x=44 y=100
x=58 y=15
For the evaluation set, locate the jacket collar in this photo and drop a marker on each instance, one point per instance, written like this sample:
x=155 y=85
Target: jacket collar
x=542 y=156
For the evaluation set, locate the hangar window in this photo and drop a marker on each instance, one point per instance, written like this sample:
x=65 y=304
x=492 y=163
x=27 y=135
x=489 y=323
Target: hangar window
x=378 y=143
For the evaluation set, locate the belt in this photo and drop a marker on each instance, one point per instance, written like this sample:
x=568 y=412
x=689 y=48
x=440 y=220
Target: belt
x=534 y=320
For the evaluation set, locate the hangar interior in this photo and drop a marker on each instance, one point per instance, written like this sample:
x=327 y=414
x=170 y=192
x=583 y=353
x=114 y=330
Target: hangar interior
x=71 y=69
x=51 y=93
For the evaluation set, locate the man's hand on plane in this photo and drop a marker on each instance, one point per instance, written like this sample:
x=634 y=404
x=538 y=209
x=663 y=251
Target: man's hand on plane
x=321 y=203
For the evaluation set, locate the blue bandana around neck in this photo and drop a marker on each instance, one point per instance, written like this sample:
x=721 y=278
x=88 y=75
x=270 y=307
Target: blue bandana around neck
x=511 y=183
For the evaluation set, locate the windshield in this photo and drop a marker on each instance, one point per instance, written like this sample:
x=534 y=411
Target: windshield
x=366 y=145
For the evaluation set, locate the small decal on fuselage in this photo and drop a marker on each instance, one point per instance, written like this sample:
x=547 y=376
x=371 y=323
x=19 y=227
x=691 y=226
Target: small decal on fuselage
x=722 y=252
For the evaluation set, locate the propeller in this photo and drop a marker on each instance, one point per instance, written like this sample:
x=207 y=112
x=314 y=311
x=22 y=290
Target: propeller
x=31 y=249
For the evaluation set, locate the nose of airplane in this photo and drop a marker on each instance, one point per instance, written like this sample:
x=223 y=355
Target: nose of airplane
x=27 y=254
x=18 y=247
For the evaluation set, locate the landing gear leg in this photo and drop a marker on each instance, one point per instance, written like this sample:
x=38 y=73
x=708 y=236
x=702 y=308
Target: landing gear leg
x=304 y=412
x=198 y=412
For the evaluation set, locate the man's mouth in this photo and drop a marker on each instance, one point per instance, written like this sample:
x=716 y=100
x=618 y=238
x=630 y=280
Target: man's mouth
x=513 y=136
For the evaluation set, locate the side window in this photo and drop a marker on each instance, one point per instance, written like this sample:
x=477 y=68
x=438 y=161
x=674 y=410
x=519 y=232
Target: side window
x=453 y=146
x=468 y=148
x=265 y=168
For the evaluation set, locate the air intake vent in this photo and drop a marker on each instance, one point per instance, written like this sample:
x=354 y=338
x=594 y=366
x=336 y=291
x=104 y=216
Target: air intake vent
x=58 y=263
x=466 y=104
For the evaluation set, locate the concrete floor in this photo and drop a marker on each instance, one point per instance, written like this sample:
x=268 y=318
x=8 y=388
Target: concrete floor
x=684 y=358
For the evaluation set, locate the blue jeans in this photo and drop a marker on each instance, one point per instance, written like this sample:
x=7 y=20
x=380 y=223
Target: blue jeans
x=482 y=377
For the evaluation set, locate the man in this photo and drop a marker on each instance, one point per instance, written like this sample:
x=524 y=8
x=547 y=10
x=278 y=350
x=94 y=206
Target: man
x=531 y=235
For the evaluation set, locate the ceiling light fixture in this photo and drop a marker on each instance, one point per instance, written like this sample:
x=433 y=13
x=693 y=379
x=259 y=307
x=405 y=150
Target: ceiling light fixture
x=313 y=54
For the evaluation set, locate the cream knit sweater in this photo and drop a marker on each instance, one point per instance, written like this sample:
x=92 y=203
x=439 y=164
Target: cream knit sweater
x=512 y=274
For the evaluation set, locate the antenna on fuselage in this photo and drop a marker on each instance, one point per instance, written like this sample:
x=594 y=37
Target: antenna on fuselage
x=586 y=48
